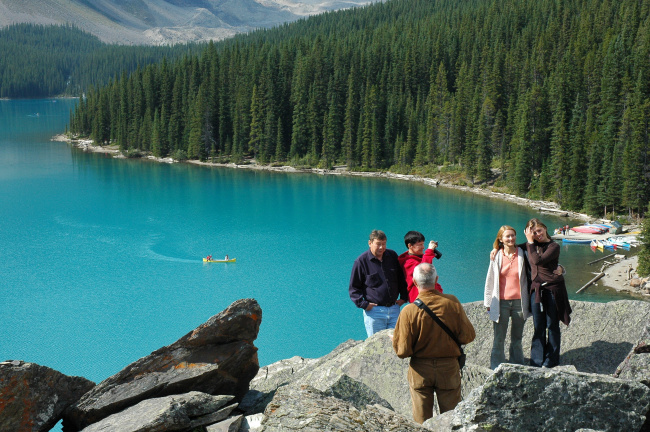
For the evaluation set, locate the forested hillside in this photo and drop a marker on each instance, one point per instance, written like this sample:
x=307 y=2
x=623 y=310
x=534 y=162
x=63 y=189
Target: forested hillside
x=553 y=96
x=45 y=61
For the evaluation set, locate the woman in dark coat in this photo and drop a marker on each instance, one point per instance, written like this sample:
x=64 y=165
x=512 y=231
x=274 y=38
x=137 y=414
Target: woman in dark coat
x=549 y=301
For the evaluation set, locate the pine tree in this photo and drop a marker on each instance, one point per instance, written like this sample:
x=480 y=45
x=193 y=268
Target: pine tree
x=156 y=134
x=522 y=151
x=644 y=254
x=486 y=123
x=123 y=119
x=350 y=121
x=559 y=160
x=196 y=145
x=331 y=128
x=175 y=126
x=300 y=100
x=256 y=127
x=280 y=152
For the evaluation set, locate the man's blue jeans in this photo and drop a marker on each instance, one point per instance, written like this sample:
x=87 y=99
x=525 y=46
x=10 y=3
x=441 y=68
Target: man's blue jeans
x=380 y=318
x=543 y=351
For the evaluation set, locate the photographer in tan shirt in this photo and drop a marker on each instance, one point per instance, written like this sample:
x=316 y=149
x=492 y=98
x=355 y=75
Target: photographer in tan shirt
x=434 y=355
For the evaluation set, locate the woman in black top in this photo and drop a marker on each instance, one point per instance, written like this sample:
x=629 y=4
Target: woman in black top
x=549 y=301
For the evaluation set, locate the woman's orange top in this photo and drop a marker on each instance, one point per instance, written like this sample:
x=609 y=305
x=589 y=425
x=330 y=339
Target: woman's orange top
x=509 y=278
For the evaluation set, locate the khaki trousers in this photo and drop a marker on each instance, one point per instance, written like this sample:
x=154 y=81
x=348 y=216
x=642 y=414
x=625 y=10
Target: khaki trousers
x=426 y=376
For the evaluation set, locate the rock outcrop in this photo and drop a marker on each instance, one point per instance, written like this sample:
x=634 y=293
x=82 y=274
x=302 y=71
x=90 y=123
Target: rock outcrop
x=307 y=409
x=195 y=383
x=522 y=398
x=167 y=414
x=368 y=372
x=369 y=369
x=636 y=365
x=217 y=358
x=599 y=337
x=33 y=397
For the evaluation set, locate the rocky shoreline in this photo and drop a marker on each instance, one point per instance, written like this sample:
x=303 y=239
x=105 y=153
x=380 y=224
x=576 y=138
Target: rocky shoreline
x=539 y=205
x=210 y=381
x=542 y=206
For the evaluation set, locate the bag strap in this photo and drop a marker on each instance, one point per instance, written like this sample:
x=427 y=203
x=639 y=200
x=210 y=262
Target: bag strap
x=419 y=303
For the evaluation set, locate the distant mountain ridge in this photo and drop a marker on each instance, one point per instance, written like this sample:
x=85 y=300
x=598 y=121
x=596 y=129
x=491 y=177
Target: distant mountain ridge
x=161 y=22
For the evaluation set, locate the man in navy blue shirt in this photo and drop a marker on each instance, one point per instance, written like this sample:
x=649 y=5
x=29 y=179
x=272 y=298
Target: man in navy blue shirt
x=377 y=285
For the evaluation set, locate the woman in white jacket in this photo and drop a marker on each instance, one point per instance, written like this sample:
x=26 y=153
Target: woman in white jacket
x=507 y=296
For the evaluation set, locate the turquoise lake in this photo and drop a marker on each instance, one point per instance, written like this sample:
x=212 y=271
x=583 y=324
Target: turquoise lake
x=102 y=257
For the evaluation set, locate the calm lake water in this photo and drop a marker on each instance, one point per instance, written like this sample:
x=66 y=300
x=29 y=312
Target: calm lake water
x=101 y=258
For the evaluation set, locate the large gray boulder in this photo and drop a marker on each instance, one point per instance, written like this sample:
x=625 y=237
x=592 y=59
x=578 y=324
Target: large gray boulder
x=599 y=337
x=523 y=398
x=218 y=357
x=369 y=372
x=355 y=392
x=33 y=397
x=636 y=365
x=269 y=378
x=167 y=414
x=371 y=363
x=231 y=424
x=309 y=410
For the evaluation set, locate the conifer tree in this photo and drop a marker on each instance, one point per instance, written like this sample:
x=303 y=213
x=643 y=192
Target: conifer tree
x=175 y=126
x=123 y=119
x=300 y=100
x=280 y=152
x=331 y=134
x=256 y=127
x=350 y=121
x=486 y=123
x=644 y=254
x=559 y=164
x=156 y=134
x=196 y=148
x=522 y=152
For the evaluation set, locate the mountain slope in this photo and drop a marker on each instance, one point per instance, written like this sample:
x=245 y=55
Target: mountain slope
x=157 y=22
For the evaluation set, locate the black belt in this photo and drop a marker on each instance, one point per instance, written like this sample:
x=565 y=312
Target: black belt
x=387 y=304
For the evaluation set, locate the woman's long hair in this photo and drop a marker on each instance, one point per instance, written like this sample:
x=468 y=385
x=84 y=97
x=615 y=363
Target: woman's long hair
x=498 y=242
x=533 y=223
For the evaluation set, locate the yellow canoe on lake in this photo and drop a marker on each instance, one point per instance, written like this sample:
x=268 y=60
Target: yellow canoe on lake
x=220 y=260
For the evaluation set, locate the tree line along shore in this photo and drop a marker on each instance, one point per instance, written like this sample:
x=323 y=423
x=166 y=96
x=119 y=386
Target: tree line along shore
x=553 y=96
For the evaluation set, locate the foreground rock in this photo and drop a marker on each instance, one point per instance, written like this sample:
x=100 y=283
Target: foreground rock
x=216 y=358
x=33 y=397
x=359 y=372
x=599 y=337
x=309 y=410
x=522 y=398
x=636 y=365
x=169 y=413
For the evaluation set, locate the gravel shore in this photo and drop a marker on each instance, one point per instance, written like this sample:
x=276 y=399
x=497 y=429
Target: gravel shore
x=543 y=206
x=622 y=276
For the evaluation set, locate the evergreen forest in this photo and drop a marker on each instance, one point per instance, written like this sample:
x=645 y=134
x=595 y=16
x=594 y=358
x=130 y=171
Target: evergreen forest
x=548 y=99
x=45 y=61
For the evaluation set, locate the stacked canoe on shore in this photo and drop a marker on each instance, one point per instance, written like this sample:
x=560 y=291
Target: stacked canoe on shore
x=592 y=228
x=614 y=243
x=595 y=235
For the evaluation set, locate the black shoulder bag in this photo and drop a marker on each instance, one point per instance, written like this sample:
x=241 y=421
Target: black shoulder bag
x=461 y=358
